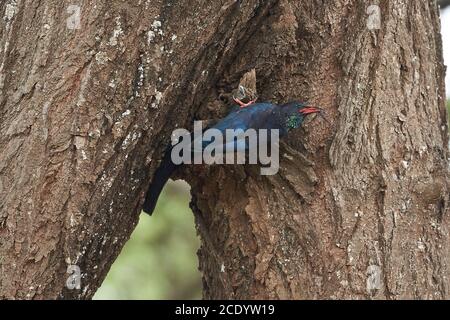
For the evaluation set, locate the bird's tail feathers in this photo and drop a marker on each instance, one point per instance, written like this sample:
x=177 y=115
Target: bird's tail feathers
x=162 y=175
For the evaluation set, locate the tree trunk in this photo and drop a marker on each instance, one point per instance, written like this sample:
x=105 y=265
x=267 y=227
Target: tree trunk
x=358 y=210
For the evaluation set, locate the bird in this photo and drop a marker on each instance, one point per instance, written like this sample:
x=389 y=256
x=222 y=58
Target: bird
x=246 y=93
x=240 y=94
x=256 y=116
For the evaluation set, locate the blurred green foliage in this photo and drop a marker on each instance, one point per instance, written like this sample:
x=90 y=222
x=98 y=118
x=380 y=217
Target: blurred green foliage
x=159 y=261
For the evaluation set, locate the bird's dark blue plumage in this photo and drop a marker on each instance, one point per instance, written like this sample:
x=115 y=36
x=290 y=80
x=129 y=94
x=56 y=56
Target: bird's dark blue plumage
x=256 y=116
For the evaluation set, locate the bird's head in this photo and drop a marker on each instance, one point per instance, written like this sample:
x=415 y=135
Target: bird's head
x=295 y=112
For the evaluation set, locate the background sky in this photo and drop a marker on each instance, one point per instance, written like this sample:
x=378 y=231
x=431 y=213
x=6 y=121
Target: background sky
x=445 y=27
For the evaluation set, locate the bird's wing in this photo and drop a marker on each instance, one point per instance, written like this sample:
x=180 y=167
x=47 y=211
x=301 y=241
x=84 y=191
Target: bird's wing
x=215 y=136
x=251 y=117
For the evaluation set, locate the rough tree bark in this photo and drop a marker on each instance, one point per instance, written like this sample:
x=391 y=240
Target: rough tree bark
x=359 y=209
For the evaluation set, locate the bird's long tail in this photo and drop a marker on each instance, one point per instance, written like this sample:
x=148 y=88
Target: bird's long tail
x=162 y=174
